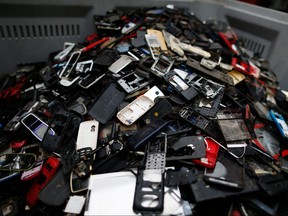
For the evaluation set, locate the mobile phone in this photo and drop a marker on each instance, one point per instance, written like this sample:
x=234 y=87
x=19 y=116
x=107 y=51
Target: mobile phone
x=154 y=45
x=133 y=111
x=133 y=82
x=47 y=172
x=32 y=173
x=36 y=126
x=107 y=103
x=226 y=173
x=208 y=63
x=145 y=134
x=63 y=54
x=121 y=63
x=68 y=74
x=180 y=85
x=280 y=123
x=162 y=65
x=90 y=79
x=87 y=134
x=212 y=148
x=14 y=123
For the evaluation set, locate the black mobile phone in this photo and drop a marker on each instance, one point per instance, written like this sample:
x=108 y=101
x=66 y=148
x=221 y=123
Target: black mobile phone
x=227 y=172
x=145 y=134
x=106 y=105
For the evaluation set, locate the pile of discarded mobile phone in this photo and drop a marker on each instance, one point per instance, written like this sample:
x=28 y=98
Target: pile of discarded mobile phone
x=158 y=112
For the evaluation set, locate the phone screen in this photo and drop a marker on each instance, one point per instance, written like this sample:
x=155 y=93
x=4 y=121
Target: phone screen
x=36 y=126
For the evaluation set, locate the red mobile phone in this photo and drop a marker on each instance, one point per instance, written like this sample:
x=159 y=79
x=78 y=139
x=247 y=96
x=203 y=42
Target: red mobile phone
x=47 y=172
x=212 y=148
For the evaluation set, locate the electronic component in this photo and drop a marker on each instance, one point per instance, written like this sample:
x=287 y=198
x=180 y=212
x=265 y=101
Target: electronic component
x=68 y=47
x=213 y=73
x=195 y=50
x=14 y=123
x=47 y=172
x=15 y=162
x=226 y=172
x=68 y=73
x=160 y=38
x=133 y=111
x=207 y=106
x=49 y=76
x=32 y=173
x=185 y=148
x=212 y=148
x=120 y=63
x=207 y=87
x=280 y=123
x=154 y=45
x=180 y=85
x=107 y=103
x=247 y=68
x=199 y=121
x=133 y=82
x=149 y=191
x=36 y=126
x=209 y=64
x=145 y=134
x=84 y=66
x=162 y=65
x=87 y=135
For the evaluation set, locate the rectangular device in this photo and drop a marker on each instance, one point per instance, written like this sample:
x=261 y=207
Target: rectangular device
x=49 y=76
x=149 y=191
x=133 y=82
x=87 y=134
x=162 y=65
x=36 y=126
x=160 y=38
x=154 y=45
x=47 y=172
x=32 y=173
x=212 y=148
x=180 y=85
x=195 y=50
x=219 y=75
x=209 y=64
x=14 y=123
x=121 y=63
x=199 y=121
x=175 y=45
x=133 y=111
x=226 y=172
x=207 y=87
x=90 y=79
x=106 y=105
x=68 y=73
x=84 y=66
x=145 y=134
x=68 y=47
x=280 y=123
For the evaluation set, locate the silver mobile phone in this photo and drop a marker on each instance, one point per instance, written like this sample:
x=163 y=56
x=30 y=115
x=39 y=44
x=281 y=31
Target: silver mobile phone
x=36 y=126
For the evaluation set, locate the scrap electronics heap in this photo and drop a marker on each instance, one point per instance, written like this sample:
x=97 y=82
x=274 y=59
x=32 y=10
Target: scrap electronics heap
x=157 y=112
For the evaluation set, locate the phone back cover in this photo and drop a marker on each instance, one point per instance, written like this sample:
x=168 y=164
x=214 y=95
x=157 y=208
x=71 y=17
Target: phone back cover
x=203 y=192
x=226 y=172
x=57 y=191
x=107 y=104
